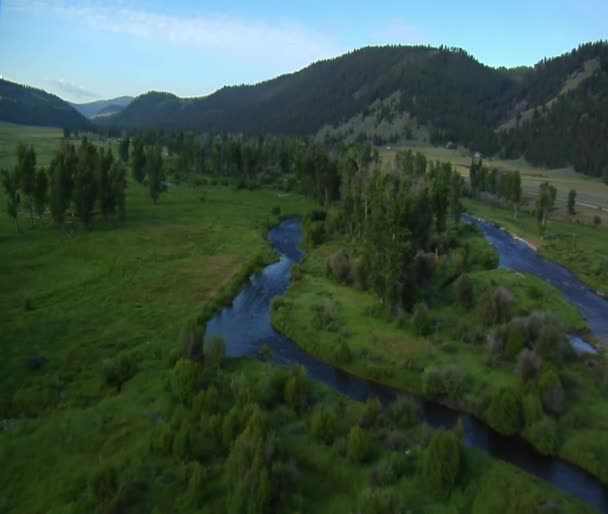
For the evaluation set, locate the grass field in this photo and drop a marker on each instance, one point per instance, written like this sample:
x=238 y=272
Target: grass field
x=45 y=141
x=390 y=352
x=592 y=193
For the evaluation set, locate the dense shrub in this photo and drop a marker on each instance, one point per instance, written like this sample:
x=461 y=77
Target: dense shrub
x=391 y=468
x=423 y=267
x=504 y=413
x=276 y=210
x=185 y=379
x=422 y=321
x=444 y=381
x=552 y=392
x=441 y=463
x=343 y=353
x=466 y=293
x=358 y=444
x=549 y=342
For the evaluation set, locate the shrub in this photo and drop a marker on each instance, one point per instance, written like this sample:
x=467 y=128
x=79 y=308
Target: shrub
x=28 y=303
x=404 y=412
x=423 y=267
x=549 y=342
x=215 y=351
x=120 y=369
x=297 y=389
x=552 y=392
x=343 y=353
x=528 y=365
x=441 y=463
x=104 y=485
x=314 y=233
x=181 y=443
x=358 y=444
x=338 y=266
x=378 y=501
x=192 y=342
x=196 y=484
x=597 y=220
x=185 y=379
x=432 y=382
x=544 y=436
x=371 y=411
x=466 y=293
x=504 y=413
x=276 y=210
x=422 y=321
x=495 y=306
x=360 y=271
x=532 y=409
x=515 y=338
x=392 y=468
x=323 y=425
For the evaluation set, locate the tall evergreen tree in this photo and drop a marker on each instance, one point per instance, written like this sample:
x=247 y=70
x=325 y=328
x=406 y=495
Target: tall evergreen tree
x=154 y=170
x=10 y=184
x=26 y=174
x=41 y=192
x=138 y=161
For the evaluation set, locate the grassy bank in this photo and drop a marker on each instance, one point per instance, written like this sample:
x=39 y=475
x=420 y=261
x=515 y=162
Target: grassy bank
x=583 y=249
x=360 y=338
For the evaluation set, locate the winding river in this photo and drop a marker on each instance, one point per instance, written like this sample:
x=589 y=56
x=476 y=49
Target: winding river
x=246 y=326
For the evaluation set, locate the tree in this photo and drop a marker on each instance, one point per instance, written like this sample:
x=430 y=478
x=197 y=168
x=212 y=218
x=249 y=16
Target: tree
x=105 y=192
x=441 y=463
x=572 y=202
x=358 y=444
x=118 y=185
x=515 y=191
x=215 y=351
x=138 y=161
x=11 y=191
x=84 y=194
x=544 y=204
x=154 y=170
x=123 y=150
x=323 y=425
x=25 y=172
x=61 y=182
x=41 y=192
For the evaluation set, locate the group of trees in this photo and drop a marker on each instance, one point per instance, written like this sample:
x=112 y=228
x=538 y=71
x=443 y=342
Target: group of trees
x=394 y=216
x=504 y=184
x=76 y=182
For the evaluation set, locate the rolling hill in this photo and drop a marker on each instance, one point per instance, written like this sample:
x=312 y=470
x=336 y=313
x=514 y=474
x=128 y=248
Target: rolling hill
x=30 y=106
x=102 y=107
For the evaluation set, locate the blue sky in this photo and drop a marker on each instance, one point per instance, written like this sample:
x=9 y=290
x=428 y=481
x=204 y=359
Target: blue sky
x=90 y=49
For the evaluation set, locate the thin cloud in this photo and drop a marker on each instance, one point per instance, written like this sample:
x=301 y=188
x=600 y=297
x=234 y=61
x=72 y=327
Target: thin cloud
x=65 y=87
x=285 y=42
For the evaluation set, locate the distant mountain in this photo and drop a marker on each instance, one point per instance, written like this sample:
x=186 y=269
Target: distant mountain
x=102 y=107
x=31 y=106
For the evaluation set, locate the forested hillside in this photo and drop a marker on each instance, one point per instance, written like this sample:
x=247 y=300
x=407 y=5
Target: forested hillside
x=568 y=123
x=445 y=88
x=31 y=106
x=102 y=107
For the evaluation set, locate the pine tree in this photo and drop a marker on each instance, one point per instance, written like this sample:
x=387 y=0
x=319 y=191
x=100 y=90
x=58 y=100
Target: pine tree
x=572 y=202
x=26 y=174
x=41 y=192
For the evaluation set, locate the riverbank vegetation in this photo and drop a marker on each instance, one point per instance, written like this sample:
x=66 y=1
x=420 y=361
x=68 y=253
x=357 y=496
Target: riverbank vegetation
x=418 y=304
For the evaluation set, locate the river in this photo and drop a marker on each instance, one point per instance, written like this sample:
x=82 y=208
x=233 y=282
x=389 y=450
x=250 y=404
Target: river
x=245 y=326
